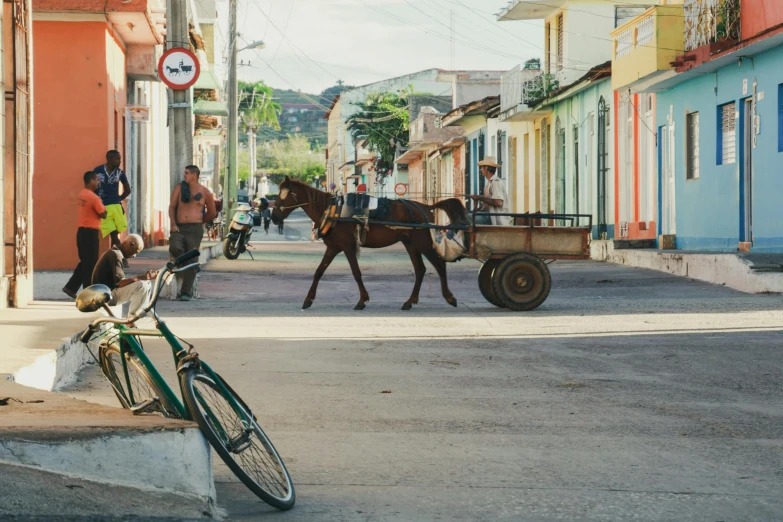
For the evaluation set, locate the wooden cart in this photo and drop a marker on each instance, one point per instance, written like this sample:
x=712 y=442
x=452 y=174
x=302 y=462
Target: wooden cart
x=514 y=273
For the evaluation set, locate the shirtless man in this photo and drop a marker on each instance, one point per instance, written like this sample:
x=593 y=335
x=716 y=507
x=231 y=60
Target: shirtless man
x=187 y=223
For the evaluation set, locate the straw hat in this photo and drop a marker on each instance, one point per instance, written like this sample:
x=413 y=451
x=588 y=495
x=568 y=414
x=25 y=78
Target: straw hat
x=489 y=161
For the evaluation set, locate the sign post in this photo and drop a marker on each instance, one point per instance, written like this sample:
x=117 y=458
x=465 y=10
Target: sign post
x=400 y=189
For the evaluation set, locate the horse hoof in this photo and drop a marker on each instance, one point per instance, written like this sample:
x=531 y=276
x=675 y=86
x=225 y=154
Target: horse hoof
x=360 y=306
x=452 y=301
x=407 y=306
x=307 y=304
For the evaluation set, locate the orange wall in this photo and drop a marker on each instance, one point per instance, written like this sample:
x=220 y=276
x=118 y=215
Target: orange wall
x=758 y=15
x=74 y=95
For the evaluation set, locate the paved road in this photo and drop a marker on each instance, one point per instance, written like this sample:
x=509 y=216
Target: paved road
x=296 y=228
x=629 y=394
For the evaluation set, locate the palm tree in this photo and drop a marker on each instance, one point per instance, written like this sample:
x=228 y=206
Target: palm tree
x=257 y=109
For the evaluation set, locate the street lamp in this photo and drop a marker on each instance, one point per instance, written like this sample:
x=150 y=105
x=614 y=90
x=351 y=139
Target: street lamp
x=230 y=190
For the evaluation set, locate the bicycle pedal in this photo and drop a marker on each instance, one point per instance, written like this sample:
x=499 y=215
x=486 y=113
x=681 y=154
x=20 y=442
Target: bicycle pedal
x=144 y=406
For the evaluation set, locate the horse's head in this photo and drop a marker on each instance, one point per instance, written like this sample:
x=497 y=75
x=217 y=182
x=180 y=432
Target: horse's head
x=288 y=199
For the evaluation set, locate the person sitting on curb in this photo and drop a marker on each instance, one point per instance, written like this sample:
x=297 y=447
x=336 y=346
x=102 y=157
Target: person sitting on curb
x=136 y=290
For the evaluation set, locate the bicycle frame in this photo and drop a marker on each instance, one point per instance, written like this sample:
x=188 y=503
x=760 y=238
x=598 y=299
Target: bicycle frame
x=129 y=344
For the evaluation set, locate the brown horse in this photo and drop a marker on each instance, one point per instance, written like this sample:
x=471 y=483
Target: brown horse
x=341 y=236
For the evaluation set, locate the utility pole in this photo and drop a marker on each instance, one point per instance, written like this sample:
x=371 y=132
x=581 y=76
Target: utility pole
x=180 y=107
x=230 y=188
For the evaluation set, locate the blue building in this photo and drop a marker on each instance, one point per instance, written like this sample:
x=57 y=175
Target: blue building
x=720 y=144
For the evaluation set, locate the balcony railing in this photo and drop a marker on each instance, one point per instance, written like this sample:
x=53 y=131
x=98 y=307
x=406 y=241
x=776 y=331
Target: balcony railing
x=520 y=86
x=645 y=46
x=711 y=21
x=625 y=42
x=539 y=87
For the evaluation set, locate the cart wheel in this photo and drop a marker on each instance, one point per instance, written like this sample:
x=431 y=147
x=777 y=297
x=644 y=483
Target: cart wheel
x=522 y=281
x=485 y=282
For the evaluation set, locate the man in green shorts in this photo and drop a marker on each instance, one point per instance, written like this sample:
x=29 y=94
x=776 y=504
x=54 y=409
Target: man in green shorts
x=112 y=177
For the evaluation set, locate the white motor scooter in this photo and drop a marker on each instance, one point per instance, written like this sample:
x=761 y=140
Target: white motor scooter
x=238 y=237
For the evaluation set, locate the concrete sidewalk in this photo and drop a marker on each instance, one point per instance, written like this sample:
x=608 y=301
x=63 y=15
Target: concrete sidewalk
x=754 y=273
x=48 y=284
x=53 y=433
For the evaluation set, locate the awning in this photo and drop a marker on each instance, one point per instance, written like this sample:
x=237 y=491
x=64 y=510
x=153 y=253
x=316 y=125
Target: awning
x=212 y=108
x=207 y=81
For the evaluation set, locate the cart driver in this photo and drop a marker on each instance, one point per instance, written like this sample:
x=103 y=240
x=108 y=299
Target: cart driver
x=495 y=198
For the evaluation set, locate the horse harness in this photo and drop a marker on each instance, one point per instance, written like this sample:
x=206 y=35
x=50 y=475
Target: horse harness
x=284 y=194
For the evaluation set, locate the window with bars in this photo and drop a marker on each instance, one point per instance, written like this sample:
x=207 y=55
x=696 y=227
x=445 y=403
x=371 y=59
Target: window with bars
x=692 y=146
x=727 y=134
x=560 y=42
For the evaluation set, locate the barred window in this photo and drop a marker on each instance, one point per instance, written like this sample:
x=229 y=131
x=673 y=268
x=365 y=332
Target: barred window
x=692 y=145
x=728 y=133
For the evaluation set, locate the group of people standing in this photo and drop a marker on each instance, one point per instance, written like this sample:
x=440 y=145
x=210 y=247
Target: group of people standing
x=100 y=213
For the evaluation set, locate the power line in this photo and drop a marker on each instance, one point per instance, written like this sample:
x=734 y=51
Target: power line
x=448 y=38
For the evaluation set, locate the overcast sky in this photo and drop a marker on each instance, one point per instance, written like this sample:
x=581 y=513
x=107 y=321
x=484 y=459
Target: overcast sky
x=313 y=43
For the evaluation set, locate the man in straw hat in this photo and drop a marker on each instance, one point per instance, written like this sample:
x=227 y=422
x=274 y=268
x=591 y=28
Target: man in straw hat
x=495 y=198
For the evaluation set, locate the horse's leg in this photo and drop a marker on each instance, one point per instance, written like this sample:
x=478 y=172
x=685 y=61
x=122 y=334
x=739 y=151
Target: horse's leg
x=329 y=255
x=419 y=269
x=350 y=253
x=440 y=267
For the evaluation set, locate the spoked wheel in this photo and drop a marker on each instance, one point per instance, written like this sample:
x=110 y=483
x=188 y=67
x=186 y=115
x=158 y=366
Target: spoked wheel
x=485 y=282
x=144 y=393
x=522 y=281
x=241 y=443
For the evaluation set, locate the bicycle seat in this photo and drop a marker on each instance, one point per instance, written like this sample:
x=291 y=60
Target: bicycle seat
x=92 y=298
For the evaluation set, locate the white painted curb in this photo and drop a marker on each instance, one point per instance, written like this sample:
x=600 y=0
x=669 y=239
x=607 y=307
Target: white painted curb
x=725 y=269
x=178 y=461
x=56 y=369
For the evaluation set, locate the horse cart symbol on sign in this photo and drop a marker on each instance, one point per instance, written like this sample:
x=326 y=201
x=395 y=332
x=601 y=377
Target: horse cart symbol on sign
x=179 y=68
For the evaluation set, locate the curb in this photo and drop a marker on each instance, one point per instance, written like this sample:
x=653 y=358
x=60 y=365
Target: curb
x=151 y=461
x=724 y=269
x=56 y=369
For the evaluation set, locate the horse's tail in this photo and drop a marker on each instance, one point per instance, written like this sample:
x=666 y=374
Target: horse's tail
x=453 y=208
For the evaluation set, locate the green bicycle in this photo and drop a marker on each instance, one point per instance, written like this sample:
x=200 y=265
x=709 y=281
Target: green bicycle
x=224 y=418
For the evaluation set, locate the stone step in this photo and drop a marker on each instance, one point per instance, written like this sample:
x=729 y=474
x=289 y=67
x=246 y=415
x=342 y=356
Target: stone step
x=59 y=434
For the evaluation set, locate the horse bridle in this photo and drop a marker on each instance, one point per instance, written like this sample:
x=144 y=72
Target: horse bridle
x=284 y=194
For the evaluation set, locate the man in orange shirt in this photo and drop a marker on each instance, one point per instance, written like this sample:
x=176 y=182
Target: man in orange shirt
x=91 y=211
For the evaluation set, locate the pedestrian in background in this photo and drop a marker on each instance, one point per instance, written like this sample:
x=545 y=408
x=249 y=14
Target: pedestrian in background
x=191 y=205
x=112 y=177
x=267 y=218
x=90 y=212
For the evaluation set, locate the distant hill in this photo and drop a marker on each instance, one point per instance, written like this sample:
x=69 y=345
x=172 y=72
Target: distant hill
x=303 y=113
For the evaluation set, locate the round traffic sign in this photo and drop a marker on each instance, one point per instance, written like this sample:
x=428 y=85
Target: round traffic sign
x=179 y=68
x=400 y=189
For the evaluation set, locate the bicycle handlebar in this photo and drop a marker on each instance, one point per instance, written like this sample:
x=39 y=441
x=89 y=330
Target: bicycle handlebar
x=171 y=267
x=184 y=258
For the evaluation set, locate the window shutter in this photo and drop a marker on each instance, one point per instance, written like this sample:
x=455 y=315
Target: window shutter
x=729 y=133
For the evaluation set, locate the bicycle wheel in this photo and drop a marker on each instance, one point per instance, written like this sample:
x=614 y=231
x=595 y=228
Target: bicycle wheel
x=244 y=447
x=142 y=385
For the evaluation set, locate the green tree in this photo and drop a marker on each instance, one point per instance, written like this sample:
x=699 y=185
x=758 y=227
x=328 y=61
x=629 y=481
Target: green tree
x=256 y=109
x=293 y=156
x=383 y=122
